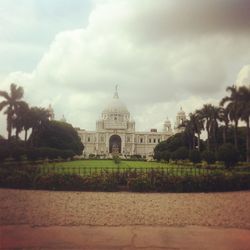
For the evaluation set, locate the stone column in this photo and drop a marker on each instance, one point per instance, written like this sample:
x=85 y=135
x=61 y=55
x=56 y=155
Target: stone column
x=107 y=143
x=122 y=143
x=133 y=145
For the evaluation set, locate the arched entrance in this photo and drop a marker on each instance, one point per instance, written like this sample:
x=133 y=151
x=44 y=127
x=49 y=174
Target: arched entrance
x=115 y=143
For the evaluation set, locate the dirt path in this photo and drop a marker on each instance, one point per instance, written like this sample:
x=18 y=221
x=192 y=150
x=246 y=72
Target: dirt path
x=43 y=208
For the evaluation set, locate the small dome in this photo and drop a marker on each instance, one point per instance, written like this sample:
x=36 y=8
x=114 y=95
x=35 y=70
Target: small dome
x=167 y=121
x=63 y=119
x=181 y=112
x=51 y=112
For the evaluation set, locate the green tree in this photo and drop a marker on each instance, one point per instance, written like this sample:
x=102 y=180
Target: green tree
x=180 y=154
x=244 y=93
x=224 y=117
x=234 y=108
x=11 y=103
x=171 y=144
x=58 y=135
x=208 y=156
x=38 y=119
x=195 y=156
x=20 y=118
x=193 y=127
x=228 y=154
x=206 y=115
x=209 y=114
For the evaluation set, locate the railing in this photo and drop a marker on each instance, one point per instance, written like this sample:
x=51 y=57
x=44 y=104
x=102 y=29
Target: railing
x=88 y=171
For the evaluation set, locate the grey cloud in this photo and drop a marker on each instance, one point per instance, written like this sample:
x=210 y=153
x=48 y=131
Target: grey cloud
x=162 y=54
x=168 y=19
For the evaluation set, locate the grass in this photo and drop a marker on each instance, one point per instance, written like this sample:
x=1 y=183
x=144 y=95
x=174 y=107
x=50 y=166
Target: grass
x=109 y=164
x=85 y=167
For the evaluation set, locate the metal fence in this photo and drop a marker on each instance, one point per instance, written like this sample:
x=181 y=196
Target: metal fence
x=88 y=171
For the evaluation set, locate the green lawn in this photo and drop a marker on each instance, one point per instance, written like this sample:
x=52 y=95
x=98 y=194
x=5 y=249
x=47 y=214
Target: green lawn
x=110 y=164
x=84 y=167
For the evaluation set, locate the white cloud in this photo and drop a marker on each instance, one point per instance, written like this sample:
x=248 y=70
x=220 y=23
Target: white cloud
x=243 y=77
x=158 y=69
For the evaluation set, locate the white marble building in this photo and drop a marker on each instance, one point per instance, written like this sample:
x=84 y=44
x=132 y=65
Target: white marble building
x=115 y=133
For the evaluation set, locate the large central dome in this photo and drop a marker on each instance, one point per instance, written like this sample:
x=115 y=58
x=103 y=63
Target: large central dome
x=115 y=116
x=115 y=106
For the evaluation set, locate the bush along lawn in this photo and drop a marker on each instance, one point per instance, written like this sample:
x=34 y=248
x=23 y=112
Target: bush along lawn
x=151 y=181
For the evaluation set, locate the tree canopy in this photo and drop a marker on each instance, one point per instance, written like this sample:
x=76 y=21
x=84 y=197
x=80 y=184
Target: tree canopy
x=59 y=135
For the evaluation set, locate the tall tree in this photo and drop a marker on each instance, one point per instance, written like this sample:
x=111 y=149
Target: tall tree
x=59 y=135
x=199 y=126
x=20 y=118
x=209 y=115
x=205 y=116
x=189 y=131
x=215 y=116
x=11 y=103
x=244 y=93
x=39 y=117
x=234 y=107
x=224 y=117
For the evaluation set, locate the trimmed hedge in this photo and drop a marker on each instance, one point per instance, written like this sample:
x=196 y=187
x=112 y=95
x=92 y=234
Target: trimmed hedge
x=152 y=181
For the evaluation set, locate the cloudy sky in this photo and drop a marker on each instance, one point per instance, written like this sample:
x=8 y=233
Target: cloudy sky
x=163 y=54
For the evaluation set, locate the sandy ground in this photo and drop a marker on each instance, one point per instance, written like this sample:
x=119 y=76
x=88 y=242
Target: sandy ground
x=46 y=208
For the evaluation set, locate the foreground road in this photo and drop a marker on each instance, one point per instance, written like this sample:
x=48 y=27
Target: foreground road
x=92 y=220
x=124 y=238
x=43 y=208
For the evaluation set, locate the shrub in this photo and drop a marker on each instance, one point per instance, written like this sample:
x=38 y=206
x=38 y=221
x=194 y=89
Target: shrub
x=136 y=157
x=157 y=155
x=137 y=181
x=165 y=155
x=52 y=153
x=180 y=154
x=4 y=153
x=91 y=156
x=140 y=184
x=195 y=156
x=228 y=154
x=33 y=154
x=66 y=154
x=116 y=159
x=109 y=183
x=17 y=153
x=208 y=156
x=15 y=179
x=73 y=182
x=55 y=181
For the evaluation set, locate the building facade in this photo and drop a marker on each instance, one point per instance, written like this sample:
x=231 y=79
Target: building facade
x=115 y=133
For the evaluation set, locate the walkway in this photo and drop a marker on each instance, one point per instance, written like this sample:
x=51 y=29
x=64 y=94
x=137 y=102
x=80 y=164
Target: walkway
x=89 y=220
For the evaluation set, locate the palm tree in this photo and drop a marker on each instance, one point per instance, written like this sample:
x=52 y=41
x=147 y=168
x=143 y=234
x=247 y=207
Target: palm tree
x=215 y=116
x=189 y=132
x=11 y=103
x=244 y=93
x=205 y=116
x=28 y=121
x=193 y=126
x=224 y=117
x=234 y=109
x=38 y=119
x=20 y=118
x=198 y=126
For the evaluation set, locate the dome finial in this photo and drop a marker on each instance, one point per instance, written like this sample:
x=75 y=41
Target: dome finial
x=116 y=92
